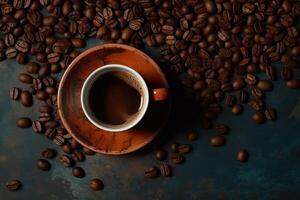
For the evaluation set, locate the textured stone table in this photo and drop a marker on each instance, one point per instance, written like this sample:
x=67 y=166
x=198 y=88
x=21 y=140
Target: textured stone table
x=272 y=172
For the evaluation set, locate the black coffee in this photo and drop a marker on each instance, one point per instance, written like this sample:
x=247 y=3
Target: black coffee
x=114 y=98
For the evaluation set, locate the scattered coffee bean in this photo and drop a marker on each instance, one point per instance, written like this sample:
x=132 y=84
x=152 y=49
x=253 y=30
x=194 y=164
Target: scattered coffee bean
x=151 y=172
x=67 y=148
x=78 y=156
x=43 y=164
x=293 y=84
x=59 y=140
x=270 y=114
x=237 y=109
x=192 y=135
x=23 y=122
x=258 y=117
x=48 y=153
x=177 y=158
x=265 y=85
x=165 y=170
x=242 y=155
x=184 y=148
x=78 y=172
x=37 y=126
x=26 y=98
x=174 y=147
x=160 y=154
x=41 y=95
x=217 y=141
x=96 y=184
x=66 y=161
x=14 y=93
x=222 y=129
x=25 y=78
x=45 y=109
x=13 y=185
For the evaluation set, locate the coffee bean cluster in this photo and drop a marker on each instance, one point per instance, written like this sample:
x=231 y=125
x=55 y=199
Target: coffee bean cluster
x=223 y=50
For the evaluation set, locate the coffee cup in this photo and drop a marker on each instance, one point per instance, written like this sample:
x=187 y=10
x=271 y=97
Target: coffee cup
x=115 y=97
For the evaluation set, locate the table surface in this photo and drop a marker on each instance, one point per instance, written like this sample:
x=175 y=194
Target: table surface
x=272 y=172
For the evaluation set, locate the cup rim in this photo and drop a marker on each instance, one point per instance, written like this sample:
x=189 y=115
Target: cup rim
x=90 y=116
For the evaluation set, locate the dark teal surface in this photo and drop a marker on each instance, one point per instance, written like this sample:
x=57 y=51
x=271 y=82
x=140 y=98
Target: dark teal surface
x=272 y=172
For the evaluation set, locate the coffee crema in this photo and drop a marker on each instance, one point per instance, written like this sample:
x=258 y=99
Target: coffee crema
x=115 y=98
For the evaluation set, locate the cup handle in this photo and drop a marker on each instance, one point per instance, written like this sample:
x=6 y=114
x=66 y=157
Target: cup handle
x=160 y=94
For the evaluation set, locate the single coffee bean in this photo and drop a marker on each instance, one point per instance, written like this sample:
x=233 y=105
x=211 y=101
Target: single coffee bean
x=41 y=95
x=48 y=153
x=237 y=109
x=293 y=84
x=222 y=129
x=177 y=158
x=44 y=70
x=44 y=117
x=78 y=42
x=238 y=83
x=21 y=58
x=192 y=135
x=242 y=96
x=59 y=140
x=26 y=99
x=230 y=100
x=259 y=117
x=23 y=122
x=295 y=51
x=256 y=92
x=32 y=67
x=160 y=154
x=152 y=172
x=25 y=78
x=13 y=185
x=67 y=148
x=270 y=114
x=165 y=170
x=250 y=79
x=43 y=164
x=257 y=104
x=14 y=93
x=87 y=151
x=174 y=147
x=78 y=172
x=242 y=155
x=270 y=72
x=78 y=156
x=265 y=85
x=50 y=133
x=217 y=141
x=184 y=148
x=45 y=109
x=66 y=161
x=22 y=46
x=37 y=126
x=96 y=184
x=53 y=57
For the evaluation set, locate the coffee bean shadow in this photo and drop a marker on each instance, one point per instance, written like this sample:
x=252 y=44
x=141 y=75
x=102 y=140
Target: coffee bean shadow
x=183 y=115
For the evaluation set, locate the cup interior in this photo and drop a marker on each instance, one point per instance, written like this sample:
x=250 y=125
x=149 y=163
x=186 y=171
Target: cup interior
x=136 y=81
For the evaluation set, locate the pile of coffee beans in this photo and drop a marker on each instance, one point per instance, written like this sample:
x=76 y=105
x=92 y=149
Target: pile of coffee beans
x=223 y=50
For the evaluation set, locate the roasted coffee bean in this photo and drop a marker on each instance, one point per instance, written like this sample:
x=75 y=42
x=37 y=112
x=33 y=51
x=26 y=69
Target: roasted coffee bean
x=66 y=161
x=184 y=148
x=87 y=151
x=13 y=185
x=53 y=57
x=160 y=154
x=21 y=58
x=165 y=170
x=177 y=158
x=270 y=72
x=51 y=124
x=222 y=129
x=96 y=184
x=192 y=135
x=43 y=164
x=48 y=153
x=59 y=140
x=242 y=96
x=67 y=148
x=258 y=117
x=22 y=46
x=293 y=84
x=238 y=83
x=45 y=109
x=265 y=85
x=210 y=6
x=78 y=172
x=41 y=57
x=25 y=78
x=217 y=141
x=295 y=51
x=174 y=147
x=251 y=79
x=26 y=99
x=78 y=42
x=242 y=155
x=270 y=114
x=237 y=109
x=37 y=126
x=257 y=104
x=14 y=93
x=32 y=67
x=50 y=133
x=37 y=84
x=230 y=100
x=41 y=95
x=48 y=81
x=9 y=40
x=23 y=122
x=44 y=117
x=152 y=172
x=256 y=92
x=78 y=156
